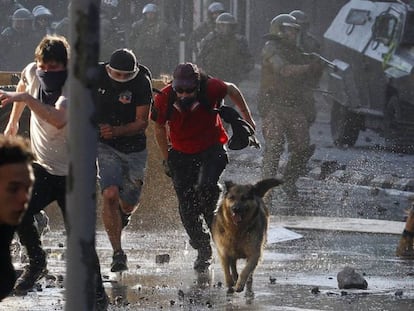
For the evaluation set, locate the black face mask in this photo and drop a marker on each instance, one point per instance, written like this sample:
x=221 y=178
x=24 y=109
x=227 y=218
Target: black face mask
x=52 y=80
x=185 y=103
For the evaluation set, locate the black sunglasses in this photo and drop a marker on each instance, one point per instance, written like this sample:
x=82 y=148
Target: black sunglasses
x=180 y=90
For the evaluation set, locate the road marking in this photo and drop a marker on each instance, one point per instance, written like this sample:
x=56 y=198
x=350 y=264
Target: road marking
x=280 y=234
x=338 y=224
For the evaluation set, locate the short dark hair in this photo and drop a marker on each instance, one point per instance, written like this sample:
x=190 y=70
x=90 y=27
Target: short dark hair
x=53 y=48
x=15 y=149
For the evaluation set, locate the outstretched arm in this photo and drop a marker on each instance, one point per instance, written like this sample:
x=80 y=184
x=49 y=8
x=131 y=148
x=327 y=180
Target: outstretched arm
x=238 y=99
x=13 y=125
x=54 y=115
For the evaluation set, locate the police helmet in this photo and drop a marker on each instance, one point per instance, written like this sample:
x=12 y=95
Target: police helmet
x=214 y=10
x=40 y=10
x=110 y=3
x=301 y=17
x=226 y=18
x=280 y=23
x=22 y=14
x=22 y=20
x=150 y=8
x=226 y=24
x=216 y=7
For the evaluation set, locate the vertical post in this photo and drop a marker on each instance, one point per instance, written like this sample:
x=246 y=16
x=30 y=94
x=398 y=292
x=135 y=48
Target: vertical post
x=81 y=183
x=181 y=53
x=247 y=20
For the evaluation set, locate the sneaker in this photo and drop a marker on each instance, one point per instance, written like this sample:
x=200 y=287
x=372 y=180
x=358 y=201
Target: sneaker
x=203 y=261
x=119 y=260
x=102 y=300
x=125 y=218
x=31 y=274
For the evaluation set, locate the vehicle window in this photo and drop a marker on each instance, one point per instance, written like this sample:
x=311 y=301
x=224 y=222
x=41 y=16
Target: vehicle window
x=357 y=17
x=408 y=37
x=385 y=28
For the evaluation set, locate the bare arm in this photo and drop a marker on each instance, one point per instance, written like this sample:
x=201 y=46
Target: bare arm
x=160 y=132
x=13 y=125
x=237 y=97
x=139 y=125
x=54 y=115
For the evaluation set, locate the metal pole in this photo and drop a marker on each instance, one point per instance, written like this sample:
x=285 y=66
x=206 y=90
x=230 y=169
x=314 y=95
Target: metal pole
x=248 y=21
x=181 y=54
x=81 y=183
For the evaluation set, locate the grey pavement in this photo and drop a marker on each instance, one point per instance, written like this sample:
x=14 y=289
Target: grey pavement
x=298 y=273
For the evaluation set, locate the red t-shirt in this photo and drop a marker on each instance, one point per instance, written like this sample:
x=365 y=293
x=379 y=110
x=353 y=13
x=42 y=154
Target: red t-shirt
x=196 y=130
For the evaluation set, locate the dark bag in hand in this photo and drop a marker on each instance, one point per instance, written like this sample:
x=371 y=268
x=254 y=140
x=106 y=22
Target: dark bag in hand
x=243 y=132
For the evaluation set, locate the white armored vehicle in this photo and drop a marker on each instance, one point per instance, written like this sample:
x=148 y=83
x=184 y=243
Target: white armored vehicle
x=372 y=86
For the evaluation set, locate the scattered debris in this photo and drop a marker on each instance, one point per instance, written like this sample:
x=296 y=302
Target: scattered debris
x=348 y=278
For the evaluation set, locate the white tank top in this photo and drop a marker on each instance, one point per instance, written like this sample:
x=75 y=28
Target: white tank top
x=49 y=144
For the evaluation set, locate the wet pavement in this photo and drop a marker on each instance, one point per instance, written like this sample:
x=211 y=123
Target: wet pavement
x=297 y=273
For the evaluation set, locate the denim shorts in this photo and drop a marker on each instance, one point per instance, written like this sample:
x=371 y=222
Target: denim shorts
x=126 y=171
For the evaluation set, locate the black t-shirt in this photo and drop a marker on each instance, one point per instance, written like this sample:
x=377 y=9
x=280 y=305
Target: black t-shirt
x=7 y=273
x=116 y=105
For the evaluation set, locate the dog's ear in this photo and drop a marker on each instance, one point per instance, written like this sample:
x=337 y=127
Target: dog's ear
x=228 y=184
x=263 y=186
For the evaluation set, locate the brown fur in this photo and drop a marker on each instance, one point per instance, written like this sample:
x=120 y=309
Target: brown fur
x=239 y=230
x=405 y=247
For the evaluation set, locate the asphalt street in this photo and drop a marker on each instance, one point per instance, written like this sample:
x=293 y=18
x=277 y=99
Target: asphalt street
x=358 y=208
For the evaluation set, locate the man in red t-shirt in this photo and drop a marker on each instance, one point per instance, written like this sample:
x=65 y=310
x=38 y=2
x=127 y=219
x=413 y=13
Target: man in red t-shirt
x=192 y=147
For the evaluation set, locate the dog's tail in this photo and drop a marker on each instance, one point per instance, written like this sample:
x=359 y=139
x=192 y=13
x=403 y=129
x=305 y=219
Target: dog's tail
x=263 y=186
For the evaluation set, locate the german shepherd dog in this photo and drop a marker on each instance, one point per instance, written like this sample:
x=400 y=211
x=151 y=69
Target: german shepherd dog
x=239 y=230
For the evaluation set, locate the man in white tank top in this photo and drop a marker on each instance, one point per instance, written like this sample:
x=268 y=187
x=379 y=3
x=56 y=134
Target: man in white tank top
x=41 y=89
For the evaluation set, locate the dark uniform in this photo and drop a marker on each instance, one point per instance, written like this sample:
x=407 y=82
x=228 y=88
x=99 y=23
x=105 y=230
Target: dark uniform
x=309 y=44
x=112 y=33
x=18 y=42
x=214 y=10
x=285 y=71
x=227 y=58
x=7 y=8
x=226 y=54
x=154 y=42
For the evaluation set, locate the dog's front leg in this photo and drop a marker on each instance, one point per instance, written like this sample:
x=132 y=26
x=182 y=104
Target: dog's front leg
x=249 y=284
x=225 y=263
x=233 y=270
x=247 y=272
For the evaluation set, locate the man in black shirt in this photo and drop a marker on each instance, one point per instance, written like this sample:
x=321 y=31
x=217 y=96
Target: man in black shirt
x=124 y=95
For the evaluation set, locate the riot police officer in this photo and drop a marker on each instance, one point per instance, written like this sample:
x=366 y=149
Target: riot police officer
x=307 y=43
x=17 y=42
x=213 y=11
x=224 y=53
x=42 y=20
x=7 y=8
x=154 y=41
x=281 y=100
x=112 y=32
